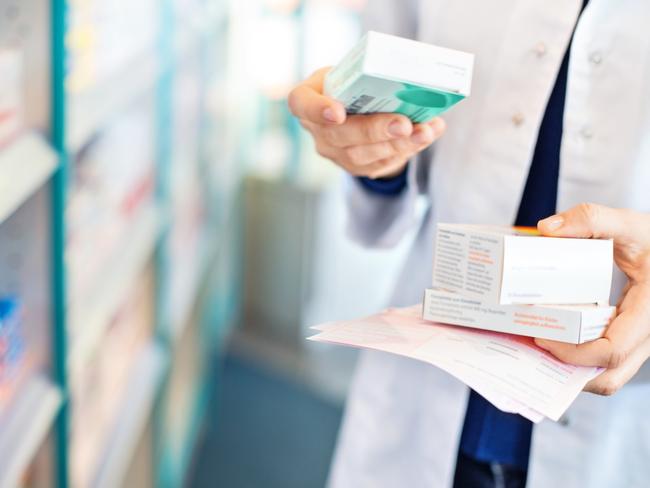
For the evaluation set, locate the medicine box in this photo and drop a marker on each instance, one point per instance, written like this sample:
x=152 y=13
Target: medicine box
x=504 y=265
x=390 y=74
x=566 y=323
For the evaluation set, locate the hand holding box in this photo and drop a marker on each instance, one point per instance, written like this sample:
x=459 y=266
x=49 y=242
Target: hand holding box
x=389 y=74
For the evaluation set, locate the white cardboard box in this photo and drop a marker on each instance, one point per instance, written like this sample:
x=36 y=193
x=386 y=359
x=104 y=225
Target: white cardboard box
x=566 y=323
x=390 y=74
x=512 y=265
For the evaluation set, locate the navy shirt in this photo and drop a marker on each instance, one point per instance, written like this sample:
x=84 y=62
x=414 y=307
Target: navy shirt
x=489 y=434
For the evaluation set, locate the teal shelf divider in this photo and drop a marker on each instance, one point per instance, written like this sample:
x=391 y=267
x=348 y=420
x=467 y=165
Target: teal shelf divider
x=58 y=10
x=214 y=303
x=163 y=188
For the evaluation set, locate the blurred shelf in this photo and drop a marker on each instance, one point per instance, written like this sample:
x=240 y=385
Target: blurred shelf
x=92 y=108
x=180 y=315
x=25 y=428
x=131 y=421
x=186 y=42
x=91 y=316
x=194 y=27
x=25 y=165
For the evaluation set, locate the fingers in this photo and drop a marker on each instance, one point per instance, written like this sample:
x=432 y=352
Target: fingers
x=364 y=155
x=307 y=102
x=365 y=145
x=588 y=220
x=612 y=380
x=607 y=352
x=362 y=129
x=629 y=329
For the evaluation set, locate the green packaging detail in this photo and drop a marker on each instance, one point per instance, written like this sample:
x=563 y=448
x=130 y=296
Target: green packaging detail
x=387 y=74
x=375 y=95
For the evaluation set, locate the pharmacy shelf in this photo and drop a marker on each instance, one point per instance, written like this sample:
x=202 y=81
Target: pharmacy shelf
x=191 y=29
x=180 y=315
x=91 y=315
x=26 y=427
x=186 y=42
x=25 y=165
x=91 y=109
x=131 y=421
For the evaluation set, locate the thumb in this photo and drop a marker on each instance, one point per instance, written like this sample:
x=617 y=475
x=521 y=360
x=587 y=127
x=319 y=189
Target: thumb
x=307 y=101
x=586 y=220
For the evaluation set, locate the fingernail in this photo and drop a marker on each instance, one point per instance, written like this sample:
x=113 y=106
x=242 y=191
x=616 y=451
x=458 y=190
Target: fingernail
x=422 y=136
x=328 y=114
x=398 y=128
x=552 y=223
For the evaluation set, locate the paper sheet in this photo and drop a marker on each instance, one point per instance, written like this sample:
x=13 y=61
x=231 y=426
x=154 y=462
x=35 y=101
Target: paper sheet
x=509 y=371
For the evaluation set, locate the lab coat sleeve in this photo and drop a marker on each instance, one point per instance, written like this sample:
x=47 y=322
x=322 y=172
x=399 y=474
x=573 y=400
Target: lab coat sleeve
x=378 y=220
x=381 y=221
x=397 y=17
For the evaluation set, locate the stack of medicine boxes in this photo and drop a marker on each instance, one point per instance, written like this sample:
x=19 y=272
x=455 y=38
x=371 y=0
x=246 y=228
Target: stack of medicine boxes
x=512 y=280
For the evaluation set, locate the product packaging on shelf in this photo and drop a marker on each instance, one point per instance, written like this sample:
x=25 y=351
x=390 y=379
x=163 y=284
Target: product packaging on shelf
x=99 y=386
x=12 y=348
x=385 y=73
x=505 y=265
x=104 y=39
x=113 y=182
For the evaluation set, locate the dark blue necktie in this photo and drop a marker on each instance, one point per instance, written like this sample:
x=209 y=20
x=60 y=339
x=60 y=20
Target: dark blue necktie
x=489 y=434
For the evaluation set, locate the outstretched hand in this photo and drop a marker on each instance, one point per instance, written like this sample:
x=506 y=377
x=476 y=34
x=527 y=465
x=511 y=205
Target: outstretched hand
x=375 y=146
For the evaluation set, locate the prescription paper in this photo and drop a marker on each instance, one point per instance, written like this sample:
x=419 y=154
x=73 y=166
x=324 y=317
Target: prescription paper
x=509 y=371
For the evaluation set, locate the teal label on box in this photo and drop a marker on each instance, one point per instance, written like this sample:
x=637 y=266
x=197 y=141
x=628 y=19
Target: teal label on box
x=368 y=94
x=423 y=104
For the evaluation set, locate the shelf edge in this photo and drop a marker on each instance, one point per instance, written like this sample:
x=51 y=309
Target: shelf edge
x=131 y=420
x=143 y=234
x=27 y=425
x=25 y=165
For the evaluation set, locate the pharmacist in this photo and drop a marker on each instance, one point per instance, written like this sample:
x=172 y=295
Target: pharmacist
x=559 y=115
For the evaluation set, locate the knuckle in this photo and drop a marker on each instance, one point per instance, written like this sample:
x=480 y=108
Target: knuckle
x=404 y=149
x=383 y=151
x=608 y=387
x=394 y=162
x=589 y=211
x=373 y=128
x=331 y=135
x=354 y=155
x=322 y=149
x=616 y=358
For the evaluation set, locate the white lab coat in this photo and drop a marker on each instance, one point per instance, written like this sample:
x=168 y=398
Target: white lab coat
x=403 y=418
